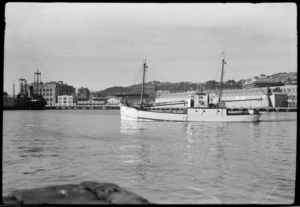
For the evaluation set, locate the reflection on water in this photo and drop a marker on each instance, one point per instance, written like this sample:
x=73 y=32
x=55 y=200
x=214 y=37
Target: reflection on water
x=132 y=127
x=165 y=162
x=139 y=153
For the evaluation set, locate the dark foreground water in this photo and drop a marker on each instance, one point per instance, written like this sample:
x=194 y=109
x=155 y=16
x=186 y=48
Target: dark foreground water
x=165 y=162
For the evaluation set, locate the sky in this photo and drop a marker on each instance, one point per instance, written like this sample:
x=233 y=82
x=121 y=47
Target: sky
x=100 y=45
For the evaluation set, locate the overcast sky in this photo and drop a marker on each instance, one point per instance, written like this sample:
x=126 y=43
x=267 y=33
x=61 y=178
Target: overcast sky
x=100 y=45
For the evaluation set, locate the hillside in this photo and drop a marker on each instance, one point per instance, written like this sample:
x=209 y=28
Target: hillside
x=286 y=78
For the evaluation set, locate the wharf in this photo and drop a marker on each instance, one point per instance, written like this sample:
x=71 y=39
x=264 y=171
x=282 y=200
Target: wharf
x=268 y=109
x=103 y=107
x=168 y=109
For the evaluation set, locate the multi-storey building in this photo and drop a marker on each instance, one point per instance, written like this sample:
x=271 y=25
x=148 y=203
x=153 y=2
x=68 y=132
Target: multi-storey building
x=83 y=94
x=65 y=101
x=51 y=91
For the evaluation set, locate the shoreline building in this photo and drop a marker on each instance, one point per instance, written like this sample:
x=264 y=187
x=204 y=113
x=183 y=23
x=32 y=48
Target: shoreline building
x=252 y=98
x=113 y=100
x=239 y=98
x=291 y=91
x=51 y=90
x=65 y=101
x=83 y=94
x=91 y=103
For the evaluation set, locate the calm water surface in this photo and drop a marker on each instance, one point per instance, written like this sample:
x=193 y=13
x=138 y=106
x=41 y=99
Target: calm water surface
x=165 y=162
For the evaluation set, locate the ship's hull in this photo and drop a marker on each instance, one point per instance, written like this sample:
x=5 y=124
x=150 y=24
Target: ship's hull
x=192 y=114
x=9 y=103
x=31 y=104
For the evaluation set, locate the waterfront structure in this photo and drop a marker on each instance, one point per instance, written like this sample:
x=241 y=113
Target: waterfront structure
x=51 y=90
x=65 y=101
x=291 y=91
x=113 y=100
x=95 y=102
x=239 y=98
x=253 y=98
x=83 y=94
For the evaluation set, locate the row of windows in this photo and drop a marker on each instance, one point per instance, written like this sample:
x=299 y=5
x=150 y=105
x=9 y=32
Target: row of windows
x=65 y=98
x=47 y=99
x=65 y=101
x=47 y=94
x=47 y=89
x=90 y=102
x=289 y=90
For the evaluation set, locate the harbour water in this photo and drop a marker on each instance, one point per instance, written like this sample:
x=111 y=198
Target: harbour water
x=164 y=162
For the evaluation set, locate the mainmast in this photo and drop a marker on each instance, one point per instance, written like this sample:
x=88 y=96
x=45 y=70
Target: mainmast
x=143 y=83
x=222 y=73
x=23 y=86
x=38 y=76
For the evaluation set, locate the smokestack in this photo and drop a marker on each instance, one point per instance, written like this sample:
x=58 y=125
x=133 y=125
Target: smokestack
x=31 y=91
x=14 y=90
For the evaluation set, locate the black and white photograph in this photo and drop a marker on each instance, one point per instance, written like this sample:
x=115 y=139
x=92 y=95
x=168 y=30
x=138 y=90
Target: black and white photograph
x=149 y=103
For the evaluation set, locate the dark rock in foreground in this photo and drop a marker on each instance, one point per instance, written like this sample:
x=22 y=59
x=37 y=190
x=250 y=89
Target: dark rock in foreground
x=85 y=193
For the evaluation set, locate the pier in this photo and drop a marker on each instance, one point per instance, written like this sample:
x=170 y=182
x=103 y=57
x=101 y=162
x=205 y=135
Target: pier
x=268 y=109
x=169 y=109
x=87 y=107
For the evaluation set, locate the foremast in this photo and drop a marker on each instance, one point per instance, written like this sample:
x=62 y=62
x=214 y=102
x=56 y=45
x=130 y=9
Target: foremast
x=222 y=75
x=143 y=83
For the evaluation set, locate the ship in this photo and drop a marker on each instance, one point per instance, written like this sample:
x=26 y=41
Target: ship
x=9 y=102
x=32 y=101
x=198 y=109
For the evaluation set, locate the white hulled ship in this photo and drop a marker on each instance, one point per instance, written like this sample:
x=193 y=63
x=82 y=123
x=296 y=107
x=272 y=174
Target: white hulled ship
x=198 y=109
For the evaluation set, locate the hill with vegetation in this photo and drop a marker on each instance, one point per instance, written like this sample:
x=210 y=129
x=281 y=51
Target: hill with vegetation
x=286 y=78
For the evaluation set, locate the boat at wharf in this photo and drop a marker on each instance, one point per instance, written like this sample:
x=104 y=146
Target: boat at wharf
x=33 y=102
x=198 y=109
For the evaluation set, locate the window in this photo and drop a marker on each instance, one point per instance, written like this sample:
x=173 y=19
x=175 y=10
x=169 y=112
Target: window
x=50 y=99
